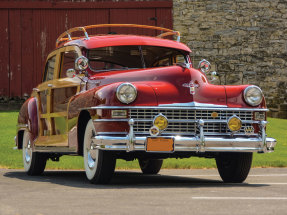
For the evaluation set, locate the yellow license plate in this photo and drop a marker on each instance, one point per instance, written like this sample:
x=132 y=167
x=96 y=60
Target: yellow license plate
x=160 y=144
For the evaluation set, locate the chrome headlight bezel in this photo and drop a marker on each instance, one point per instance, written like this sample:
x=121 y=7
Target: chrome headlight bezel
x=248 y=93
x=122 y=96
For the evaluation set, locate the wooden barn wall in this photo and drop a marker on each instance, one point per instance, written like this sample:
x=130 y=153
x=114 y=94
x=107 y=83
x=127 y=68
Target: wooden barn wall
x=28 y=31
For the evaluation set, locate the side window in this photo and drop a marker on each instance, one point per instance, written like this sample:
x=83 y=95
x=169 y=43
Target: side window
x=49 y=69
x=180 y=59
x=68 y=62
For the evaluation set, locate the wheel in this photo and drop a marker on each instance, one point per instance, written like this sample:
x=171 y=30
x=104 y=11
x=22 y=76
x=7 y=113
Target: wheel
x=234 y=167
x=34 y=162
x=99 y=164
x=150 y=166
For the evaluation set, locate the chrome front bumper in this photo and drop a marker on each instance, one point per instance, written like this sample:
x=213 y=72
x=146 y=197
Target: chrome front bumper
x=200 y=143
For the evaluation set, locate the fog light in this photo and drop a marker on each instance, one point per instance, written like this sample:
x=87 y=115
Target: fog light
x=234 y=123
x=160 y=121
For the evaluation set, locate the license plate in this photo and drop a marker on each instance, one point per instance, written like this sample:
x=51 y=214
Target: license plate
x=160 y=144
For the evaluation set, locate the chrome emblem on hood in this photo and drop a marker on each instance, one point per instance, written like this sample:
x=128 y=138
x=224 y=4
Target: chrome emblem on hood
x=191 y=85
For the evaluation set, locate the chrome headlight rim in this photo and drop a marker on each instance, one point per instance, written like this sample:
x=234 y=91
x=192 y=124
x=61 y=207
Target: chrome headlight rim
x=246 y=98
x=118 y=93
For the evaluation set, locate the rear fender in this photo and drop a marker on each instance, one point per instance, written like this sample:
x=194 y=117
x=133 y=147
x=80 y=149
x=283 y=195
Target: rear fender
x=27 y=121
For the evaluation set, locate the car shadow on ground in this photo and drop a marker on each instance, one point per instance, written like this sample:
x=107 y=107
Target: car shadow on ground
x=123 y=180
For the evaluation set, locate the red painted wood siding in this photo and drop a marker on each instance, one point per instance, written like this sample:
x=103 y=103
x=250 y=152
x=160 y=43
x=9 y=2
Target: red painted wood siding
x=29 y=29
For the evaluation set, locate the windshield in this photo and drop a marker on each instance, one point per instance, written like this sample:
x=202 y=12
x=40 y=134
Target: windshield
x=130 y=57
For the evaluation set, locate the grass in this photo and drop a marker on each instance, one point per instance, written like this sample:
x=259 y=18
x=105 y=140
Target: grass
x=9 y=158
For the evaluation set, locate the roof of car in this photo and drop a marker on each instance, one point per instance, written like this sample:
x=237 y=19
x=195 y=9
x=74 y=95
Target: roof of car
x=125 y=40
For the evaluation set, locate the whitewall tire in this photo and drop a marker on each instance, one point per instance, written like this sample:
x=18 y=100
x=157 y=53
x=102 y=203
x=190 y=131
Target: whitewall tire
x=34 y=162
x=99 y=164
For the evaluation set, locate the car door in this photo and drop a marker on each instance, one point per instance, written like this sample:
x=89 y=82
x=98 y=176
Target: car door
x=54 y=95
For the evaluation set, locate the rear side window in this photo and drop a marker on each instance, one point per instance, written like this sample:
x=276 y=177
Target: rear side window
x=49 y=69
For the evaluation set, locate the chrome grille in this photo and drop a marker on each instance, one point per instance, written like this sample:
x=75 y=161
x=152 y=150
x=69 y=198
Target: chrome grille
x=187 y=128
x=189 y=114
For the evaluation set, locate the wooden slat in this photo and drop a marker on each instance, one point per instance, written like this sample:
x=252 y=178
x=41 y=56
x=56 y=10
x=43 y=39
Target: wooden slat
x=27 y=38
x=4 y=54
x=15 y=53
x=164 y=17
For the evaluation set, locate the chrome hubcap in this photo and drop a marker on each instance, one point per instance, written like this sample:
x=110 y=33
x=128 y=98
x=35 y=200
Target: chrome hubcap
x=28 y=152
x=92 y=156
x=91 y=161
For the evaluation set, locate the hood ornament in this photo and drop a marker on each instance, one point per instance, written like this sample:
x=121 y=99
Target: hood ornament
x=191 y=85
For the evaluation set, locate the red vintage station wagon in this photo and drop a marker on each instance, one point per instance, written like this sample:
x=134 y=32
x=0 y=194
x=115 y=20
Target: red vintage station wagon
x=108 y=97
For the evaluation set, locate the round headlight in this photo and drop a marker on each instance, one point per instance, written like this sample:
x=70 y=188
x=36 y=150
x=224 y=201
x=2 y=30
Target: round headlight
x=253 y=95
x=126 y=93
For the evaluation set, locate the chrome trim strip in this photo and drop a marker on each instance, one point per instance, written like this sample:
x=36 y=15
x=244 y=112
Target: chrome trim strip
x=111 y=133
x=111 y=120
x=192 y=104
x=176 y=121
x=22 y=125
x=170 y=107
x=56 y=149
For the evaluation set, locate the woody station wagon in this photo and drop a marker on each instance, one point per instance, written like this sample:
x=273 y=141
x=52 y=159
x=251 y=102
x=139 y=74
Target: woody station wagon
x=114 y=96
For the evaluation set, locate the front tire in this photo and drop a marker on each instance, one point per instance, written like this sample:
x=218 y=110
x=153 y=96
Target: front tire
x=34 y=162
x=234 y=167
x=99 y=164
x=150 y=166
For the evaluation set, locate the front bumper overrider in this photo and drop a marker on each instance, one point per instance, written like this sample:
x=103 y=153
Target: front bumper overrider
x=200 y=143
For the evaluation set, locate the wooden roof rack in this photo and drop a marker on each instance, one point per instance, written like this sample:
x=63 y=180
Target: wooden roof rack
x=63 y=38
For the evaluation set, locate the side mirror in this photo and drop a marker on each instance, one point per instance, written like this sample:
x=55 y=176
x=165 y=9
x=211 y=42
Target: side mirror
x=70 y=73
x=81 y=63
x=204 y=66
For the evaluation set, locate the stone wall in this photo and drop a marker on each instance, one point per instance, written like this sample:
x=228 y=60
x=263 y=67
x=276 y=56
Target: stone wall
x=245 y=41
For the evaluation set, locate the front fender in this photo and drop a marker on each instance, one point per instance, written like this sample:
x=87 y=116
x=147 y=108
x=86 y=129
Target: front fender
x=235 y=98
x=106 y=96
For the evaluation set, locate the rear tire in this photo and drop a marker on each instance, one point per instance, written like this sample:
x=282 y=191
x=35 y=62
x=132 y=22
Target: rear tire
x=150 y=166
x=34 y=162
x=234 y=167
x=99 y=164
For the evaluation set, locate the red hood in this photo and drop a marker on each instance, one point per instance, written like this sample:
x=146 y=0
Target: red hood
x=171 y=85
